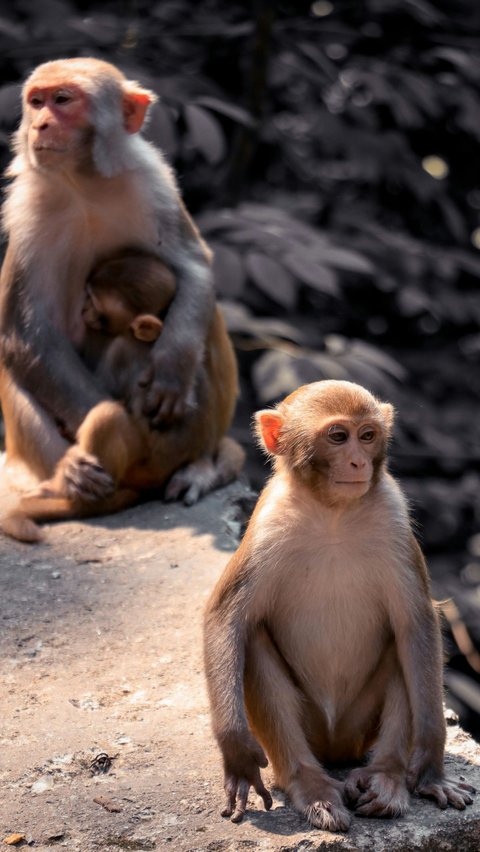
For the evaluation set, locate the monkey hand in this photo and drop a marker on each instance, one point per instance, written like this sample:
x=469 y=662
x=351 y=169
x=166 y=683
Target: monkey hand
x=242 y=759
x=164 y=390
x=79 y=475
x=425 y=780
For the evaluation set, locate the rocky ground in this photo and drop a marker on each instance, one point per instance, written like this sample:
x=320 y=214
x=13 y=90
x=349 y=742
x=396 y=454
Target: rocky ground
x=100 y=654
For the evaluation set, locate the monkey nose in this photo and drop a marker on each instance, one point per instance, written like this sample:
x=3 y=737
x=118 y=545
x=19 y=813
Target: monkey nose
x=358 y=463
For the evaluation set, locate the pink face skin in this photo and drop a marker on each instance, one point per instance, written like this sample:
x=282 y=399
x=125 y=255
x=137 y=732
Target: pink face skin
x=352 y=450
x=58 y=119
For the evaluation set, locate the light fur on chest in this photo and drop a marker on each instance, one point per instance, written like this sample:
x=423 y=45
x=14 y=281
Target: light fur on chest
x=333 y=577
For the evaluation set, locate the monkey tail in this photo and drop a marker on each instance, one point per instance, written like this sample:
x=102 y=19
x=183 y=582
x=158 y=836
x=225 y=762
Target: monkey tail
x=21 y=524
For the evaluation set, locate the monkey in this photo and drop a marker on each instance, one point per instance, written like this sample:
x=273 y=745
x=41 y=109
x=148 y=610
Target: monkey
x=84 y=185
x=322 y=645
x=117 y=435
x=125 y=296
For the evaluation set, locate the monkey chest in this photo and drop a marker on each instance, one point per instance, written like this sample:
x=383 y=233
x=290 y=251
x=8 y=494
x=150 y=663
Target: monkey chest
x=331 y=617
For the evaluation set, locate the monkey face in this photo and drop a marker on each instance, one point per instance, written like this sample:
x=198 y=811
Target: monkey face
x=105 y=311
x=345 y=457
x=332 y=436
x=57 y=121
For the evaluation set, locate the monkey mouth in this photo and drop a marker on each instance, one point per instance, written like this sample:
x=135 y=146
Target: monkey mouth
x=352 y=481
x=50 y=148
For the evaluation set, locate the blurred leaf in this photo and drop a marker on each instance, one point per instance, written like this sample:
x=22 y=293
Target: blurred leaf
x=240 y=321
x=272 y=279
x=206 y=133
x=228 y=271
x=338 y=345
x=367 y=374
x=278 y=373
x=453 y=220
x=101 y=28
x=233 y=111
x=412 y=301
x=342 y=258
x=308 y=269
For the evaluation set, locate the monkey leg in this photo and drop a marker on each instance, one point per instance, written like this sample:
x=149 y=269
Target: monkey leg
x=87 y=478
x=108 y=443
x=32 y=439
x=276 y=714
x=379 y=789
x=207 y=473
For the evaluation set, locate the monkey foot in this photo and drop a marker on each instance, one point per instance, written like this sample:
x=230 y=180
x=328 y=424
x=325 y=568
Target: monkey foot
x=84 y=478
x=192 y=481
x=446 y=792
x=376 y=794
x=320 y=799
x=327 y=816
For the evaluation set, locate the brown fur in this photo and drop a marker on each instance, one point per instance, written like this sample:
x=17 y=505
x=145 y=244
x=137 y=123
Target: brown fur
x=321 y=642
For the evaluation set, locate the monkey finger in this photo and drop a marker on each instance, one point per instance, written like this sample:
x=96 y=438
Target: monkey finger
x=242 y=796
x=88 y=481
x=467 y=787
x=230 y=786
x=260 y=757
x=262 y=791
x=459 y=799
x=367 y=797
x=434 y=791
x=355 y=785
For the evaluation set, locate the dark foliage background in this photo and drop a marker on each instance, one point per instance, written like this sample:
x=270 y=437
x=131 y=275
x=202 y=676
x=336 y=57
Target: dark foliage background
x=330 y=153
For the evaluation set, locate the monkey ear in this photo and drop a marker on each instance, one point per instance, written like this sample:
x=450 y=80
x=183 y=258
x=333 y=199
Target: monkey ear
x=388 y=413
x=135 y=104
x=146 y=327
x=268 y=424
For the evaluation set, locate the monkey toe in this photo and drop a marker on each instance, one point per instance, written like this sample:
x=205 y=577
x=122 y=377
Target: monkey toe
x=355 y=785
x=327 y=816
x=376 y=794
x=192 y=481
x=447 y=793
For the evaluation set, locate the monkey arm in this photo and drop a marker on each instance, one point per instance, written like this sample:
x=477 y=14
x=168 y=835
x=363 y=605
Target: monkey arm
x=225 y=635
x=39 y=357
x=179 y=351
x=419 y=649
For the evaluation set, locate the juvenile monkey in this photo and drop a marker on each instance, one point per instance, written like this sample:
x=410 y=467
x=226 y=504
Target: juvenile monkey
x=85 y=185
x=321 y=641
x=125 y=296
x=123 y=299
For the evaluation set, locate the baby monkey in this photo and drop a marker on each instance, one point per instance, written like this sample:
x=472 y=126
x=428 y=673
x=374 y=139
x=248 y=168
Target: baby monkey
x=322 y=645
x=125 y=297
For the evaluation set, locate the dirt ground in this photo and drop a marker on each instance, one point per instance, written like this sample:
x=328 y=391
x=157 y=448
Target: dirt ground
x=100 y=652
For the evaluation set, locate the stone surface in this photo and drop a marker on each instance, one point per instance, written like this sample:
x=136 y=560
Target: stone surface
x=100 y=651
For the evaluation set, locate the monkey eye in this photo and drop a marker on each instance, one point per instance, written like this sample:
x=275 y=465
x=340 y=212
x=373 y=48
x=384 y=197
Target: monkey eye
x=337 y=435
x=101 y=323
x=35 y=100
x=368 y=436
x=62 y=98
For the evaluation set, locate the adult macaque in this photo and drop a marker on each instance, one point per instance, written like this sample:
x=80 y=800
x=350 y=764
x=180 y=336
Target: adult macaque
x=321 y=642
x=85 y=185
x=124 y=294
